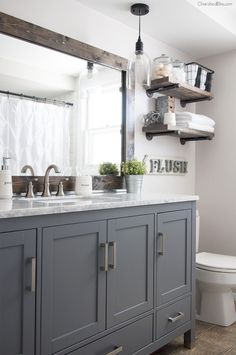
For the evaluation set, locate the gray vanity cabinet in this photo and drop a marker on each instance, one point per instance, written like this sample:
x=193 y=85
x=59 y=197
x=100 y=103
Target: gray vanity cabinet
x=17 y=292
x=91 y=278
x=108 y=282
x=173 y=255
x=130 y=275
x=73 y=284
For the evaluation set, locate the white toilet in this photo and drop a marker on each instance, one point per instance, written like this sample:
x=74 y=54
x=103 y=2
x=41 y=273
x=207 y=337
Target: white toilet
x=216 y=277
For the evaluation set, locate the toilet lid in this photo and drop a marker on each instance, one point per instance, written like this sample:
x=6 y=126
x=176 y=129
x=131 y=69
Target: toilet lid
x=216 y=262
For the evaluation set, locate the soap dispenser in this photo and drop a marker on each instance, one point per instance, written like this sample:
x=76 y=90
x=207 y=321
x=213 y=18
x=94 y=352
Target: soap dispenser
x=5 y=180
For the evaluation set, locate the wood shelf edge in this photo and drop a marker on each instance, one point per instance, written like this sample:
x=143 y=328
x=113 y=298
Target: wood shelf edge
x=182 y=91
x=185 y=134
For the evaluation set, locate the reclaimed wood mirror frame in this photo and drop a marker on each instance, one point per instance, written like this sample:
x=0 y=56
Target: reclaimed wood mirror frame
x=37 y=35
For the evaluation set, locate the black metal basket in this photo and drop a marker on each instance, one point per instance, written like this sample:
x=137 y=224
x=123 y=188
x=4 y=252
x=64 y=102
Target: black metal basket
x=199 y=76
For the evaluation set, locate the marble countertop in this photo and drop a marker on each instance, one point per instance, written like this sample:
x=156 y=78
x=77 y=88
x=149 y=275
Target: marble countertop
x=21 y=207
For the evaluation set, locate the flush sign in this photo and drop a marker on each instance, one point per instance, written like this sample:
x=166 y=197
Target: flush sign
x=165 y=166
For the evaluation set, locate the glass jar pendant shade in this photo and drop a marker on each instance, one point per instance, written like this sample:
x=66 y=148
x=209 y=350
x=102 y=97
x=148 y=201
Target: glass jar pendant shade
x=139 y=64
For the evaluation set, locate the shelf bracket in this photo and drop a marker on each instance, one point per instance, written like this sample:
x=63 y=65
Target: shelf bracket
x=149 y=94
x=183 y=103
x=149 y=136
x=160 y=90
x=184 y=140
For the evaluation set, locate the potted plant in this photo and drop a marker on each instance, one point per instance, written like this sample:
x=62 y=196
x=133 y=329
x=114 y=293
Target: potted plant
x=133 y=171
x=108 y=169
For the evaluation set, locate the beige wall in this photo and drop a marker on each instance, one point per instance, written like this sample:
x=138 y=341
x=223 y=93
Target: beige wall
x=216 y=161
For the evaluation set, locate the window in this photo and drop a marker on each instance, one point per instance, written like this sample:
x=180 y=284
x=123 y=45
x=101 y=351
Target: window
x=100 y=115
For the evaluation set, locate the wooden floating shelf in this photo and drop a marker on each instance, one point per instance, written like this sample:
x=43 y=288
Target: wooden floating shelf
x=186 y=93
x=184 y=134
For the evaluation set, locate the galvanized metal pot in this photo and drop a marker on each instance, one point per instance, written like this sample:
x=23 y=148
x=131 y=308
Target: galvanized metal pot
x=134 y=183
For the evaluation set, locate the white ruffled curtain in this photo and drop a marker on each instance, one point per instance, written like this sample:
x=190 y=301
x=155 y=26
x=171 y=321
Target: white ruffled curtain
x=34 y=133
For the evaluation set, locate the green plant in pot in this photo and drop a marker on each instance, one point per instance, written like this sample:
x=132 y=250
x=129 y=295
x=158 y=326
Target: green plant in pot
x=133 y=171
x=108 y=169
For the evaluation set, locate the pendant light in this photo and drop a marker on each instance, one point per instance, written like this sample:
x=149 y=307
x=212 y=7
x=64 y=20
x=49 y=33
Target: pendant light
x=139 y=65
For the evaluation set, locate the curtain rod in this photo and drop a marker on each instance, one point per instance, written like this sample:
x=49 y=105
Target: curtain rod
x=38 y=99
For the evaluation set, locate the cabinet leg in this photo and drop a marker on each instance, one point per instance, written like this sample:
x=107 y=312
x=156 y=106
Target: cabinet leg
x=189 y=339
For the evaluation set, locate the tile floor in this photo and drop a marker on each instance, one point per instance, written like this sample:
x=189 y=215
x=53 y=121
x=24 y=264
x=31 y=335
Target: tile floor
x=210 y=339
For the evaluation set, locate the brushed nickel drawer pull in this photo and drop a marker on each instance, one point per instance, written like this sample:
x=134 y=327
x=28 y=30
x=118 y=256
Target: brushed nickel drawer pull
x=116 y=351
x=175 y=319
x=114 y=257
x=105 y=246
x=161 y=243
x=32 y=286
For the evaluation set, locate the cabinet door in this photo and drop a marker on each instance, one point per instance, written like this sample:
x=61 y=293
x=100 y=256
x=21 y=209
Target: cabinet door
x=17 y=292
x=173 y=255
x=73 y=284
x=130 y=275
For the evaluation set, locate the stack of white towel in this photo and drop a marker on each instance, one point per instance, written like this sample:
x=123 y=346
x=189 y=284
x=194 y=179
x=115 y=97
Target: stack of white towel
x=194 y=121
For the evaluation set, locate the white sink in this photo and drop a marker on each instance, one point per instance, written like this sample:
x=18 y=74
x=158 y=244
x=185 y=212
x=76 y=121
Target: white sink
x=70 y=199
x=63 y=202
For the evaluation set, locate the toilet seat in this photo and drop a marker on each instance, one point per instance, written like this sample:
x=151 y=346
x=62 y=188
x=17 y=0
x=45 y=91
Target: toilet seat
x=216 y=262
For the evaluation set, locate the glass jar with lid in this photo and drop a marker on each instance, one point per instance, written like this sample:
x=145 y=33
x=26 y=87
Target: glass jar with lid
x=178 y=74
x=162 y=67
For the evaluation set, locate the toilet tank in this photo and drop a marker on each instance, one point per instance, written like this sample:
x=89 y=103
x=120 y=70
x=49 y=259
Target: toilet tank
x=197 y=230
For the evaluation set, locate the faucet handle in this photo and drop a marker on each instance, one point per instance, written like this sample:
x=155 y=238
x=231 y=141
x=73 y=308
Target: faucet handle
x=30 y=190
x=60 y=190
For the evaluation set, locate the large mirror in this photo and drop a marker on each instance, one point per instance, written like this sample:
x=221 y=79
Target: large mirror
x=56 y=108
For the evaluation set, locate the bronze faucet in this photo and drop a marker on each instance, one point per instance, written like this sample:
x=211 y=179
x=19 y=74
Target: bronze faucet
x=30 y=187
x=46 y=191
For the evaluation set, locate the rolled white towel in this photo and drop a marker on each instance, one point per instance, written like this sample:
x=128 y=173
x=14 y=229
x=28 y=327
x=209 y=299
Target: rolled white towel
x=193 y=117
x=193 y=125
x=209 y=121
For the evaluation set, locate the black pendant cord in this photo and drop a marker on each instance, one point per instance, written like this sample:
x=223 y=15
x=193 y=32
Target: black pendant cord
x=139 y=10
x=139 y=43
x=139 y=28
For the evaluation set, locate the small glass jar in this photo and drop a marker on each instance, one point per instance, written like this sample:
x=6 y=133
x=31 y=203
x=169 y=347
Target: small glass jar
x=162 y=67
x=178 y=74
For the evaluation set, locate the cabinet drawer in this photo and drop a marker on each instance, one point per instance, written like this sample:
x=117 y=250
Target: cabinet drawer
x=125 y=341
x=170 y=318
